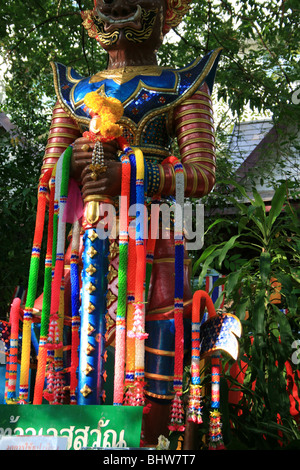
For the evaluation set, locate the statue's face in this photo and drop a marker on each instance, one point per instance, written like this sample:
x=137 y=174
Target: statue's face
x=130 y=23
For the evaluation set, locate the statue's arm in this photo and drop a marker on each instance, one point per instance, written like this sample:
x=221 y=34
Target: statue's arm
x=194 y=129
x=63 y=132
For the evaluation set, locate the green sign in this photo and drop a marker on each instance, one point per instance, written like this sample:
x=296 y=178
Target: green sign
x=85 y=426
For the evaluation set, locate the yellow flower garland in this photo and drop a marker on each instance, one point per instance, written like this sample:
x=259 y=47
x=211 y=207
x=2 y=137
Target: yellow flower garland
x=108 y=111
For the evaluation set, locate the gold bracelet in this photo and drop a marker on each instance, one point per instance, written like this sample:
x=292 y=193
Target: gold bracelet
x=199 y=93
x=196 y=140
x=48 y=165
x=61 y=113
x=55 y=125
x=204 y=178
x=191 y=101
x=203 y=130
x=52 y=154
x=193 y=111
x=197 y=150
x=194 y=121
x=56 y=144
x=191 y=131
x=199 y=160
x=207 y=168
x=60 y=134
x=205 y=103
x=98 y=198
x=195 y=182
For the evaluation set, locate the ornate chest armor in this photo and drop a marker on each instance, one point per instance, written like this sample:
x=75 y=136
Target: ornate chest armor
x=149 y=96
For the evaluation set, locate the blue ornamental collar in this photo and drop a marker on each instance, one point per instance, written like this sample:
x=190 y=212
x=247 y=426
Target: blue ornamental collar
x=143 y=91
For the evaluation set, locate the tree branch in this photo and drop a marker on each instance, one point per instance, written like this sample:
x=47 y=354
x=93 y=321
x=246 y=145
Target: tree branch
x=48 y=20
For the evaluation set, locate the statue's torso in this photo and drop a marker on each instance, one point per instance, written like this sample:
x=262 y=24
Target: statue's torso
x=149 y=96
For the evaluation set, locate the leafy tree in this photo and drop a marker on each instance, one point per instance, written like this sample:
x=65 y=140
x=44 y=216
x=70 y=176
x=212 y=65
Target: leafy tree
x=257 y=74
x=263 y=291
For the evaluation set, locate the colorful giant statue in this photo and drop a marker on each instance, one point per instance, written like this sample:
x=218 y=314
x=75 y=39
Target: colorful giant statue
x=153 y=105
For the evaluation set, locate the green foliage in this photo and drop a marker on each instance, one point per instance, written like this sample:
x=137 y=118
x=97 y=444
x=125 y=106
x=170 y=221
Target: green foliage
x=257 y=71
x=257 y=74
x=271 y=240
x=19 y=170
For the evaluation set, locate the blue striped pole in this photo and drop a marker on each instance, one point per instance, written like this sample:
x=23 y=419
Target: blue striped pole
x=93 y=310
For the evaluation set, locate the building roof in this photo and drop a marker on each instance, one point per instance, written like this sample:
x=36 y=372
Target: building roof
x=7 y=125
x=254 y=146
x=245 y=138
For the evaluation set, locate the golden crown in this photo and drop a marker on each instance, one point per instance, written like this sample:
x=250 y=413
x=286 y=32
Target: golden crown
x=176 y=9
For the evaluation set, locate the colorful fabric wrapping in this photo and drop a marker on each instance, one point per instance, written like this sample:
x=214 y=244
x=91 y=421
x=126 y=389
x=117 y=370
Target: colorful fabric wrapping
x=137 y=186
x=91 y=373
x=58 y=392
x=215 y=425
x=13 y=350
x=53 y=301
x=61 y=194
x=32 y=287
x=176 y=415
x=130 y=341
x=134 y=374
x=120 y=339
x=42 y=350
x=194 y=406
x=75 y=306
x=131 y=278
x=139 y=307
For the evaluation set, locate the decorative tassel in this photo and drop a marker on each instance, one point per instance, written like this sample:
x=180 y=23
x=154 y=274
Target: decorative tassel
x=215 y=433
x=215 y=425
x=194 y=405
x=134 y=395
x=48 y=393
x=177 y=413
x=201 y=300
x=137 y=330
x=129 y=396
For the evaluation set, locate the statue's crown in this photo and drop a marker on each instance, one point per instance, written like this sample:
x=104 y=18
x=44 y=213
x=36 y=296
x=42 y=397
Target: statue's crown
x=176 y=9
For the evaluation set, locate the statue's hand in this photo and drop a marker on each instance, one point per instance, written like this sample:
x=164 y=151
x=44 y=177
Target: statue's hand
x=107 y=183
